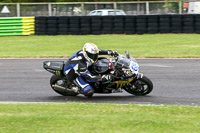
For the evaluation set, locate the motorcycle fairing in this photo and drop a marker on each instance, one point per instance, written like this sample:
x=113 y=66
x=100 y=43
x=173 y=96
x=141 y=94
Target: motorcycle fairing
x=102 y=66
x=55 y=67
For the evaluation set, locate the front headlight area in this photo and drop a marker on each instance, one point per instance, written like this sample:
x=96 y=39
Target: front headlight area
x=134 y=67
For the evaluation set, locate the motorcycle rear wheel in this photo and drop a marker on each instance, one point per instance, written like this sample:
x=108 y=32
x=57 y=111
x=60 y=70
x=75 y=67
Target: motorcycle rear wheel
x=56 y=80
x=140 y=87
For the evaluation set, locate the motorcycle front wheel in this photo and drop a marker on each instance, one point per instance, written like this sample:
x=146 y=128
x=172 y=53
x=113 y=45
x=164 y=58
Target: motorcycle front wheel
x=139 y=87
x=58 y=81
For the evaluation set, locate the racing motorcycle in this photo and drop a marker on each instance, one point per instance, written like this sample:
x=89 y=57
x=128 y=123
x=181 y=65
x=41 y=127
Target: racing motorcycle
x=124 y=69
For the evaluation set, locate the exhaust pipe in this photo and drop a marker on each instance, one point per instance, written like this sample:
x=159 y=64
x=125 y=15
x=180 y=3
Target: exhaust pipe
x=63 y=89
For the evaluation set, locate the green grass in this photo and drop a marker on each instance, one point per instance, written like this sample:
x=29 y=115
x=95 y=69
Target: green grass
x=98 y=118
x=148 y=45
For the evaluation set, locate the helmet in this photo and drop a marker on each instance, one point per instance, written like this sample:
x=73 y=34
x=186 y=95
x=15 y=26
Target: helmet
x=90 y=52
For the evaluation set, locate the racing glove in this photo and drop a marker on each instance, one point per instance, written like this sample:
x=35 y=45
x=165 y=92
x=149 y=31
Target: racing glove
x=108 y=77
x=113 y=53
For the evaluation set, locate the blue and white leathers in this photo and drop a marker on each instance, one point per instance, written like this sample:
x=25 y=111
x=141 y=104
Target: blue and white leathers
x=76 y=71
x=84 y=85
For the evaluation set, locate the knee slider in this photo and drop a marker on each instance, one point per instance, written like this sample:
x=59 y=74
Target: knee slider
x=88 y=90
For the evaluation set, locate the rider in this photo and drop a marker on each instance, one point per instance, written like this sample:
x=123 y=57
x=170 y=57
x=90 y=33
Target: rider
x=76 y=67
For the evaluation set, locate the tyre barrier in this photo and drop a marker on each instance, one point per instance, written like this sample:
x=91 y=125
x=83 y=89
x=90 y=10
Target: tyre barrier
x=137 y=24
x=17 y=26
x=85 y=25
x=164 y=22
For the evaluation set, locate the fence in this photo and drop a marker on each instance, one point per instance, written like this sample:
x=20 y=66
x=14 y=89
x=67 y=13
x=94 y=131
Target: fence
x=83 y=8
x=138 y=24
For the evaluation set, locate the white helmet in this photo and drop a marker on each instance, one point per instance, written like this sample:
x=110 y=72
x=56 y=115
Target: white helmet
x=90 y=52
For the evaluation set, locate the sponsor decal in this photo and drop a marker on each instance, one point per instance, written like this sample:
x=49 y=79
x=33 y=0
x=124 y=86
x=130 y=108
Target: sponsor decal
x=48 y=63
x=123 y=81
x=58 y=73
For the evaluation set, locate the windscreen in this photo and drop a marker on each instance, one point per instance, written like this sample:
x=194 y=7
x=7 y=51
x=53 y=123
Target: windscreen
x=123 y=60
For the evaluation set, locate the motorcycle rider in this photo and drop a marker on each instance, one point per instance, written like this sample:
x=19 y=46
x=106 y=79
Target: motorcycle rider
x=76 y=68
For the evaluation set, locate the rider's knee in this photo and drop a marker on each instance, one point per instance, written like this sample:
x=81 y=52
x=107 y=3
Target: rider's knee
x=89 y=93
x=88 y=90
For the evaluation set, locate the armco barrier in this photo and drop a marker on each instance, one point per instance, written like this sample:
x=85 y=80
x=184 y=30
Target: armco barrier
x=17 y=26
x=140 y=24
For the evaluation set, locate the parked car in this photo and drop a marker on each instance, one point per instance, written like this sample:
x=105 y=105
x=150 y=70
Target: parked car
x=191 y=7
x=106 y=12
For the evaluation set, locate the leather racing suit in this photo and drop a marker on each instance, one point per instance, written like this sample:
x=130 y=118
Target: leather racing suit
x=76 y=71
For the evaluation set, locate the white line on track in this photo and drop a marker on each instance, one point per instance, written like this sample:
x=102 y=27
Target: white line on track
x=139 y=104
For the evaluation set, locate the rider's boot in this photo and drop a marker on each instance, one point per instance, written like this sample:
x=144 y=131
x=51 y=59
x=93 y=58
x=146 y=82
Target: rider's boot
x=83 y=87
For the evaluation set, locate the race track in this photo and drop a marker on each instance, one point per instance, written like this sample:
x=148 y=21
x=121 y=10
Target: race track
x=176 y=81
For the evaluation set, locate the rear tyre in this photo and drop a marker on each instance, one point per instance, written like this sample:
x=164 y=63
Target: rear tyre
x=140 y=87
x=55 y=80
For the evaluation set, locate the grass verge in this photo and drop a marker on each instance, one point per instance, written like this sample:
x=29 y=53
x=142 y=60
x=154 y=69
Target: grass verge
x=98 y=118
x=148 y=45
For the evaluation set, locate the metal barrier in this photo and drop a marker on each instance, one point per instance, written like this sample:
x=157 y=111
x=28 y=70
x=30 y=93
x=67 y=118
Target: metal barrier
x=83 y=8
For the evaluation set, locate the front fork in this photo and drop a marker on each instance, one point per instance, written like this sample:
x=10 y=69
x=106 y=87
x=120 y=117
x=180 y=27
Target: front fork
x=140 y=75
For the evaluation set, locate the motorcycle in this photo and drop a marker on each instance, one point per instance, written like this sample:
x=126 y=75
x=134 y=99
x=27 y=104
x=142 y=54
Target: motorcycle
x=124 y=69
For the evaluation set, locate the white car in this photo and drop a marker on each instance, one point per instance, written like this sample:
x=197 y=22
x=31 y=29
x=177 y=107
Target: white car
x=106 y=12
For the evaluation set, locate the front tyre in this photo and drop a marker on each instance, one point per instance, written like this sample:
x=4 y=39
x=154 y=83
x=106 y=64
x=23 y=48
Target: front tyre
x=56 y=80
x=139 y=87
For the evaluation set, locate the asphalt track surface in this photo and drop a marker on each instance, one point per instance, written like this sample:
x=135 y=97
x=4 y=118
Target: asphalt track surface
x=176 y=82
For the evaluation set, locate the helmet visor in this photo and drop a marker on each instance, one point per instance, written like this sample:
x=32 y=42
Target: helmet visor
x=94 y=57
